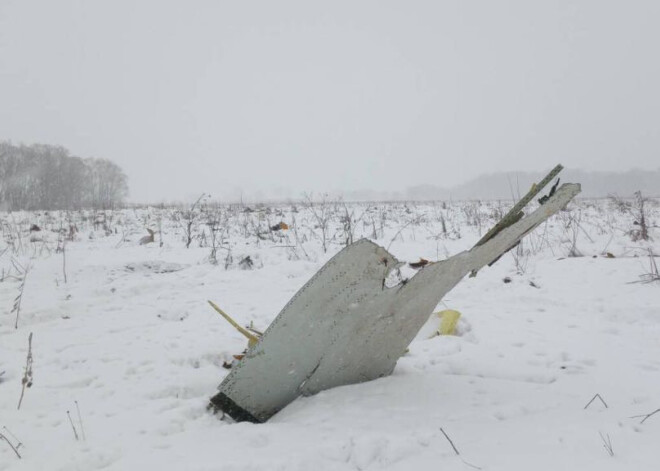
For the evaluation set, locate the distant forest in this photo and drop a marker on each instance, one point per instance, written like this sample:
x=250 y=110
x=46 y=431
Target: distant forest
x=48 y=177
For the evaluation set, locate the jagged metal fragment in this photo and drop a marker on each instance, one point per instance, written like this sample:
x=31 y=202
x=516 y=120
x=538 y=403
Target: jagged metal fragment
x=515 y=213
x=346 y=326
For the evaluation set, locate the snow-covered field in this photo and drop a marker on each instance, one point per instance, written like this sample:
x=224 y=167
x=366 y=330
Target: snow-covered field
x=129 y=348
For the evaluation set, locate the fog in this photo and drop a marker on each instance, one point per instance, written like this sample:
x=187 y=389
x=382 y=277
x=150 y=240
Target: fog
x=273 y=99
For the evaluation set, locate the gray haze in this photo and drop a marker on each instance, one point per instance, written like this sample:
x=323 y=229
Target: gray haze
x=512 y=185
x=276 y=98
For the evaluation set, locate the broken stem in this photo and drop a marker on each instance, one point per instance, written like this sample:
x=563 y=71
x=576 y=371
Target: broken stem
x=27 y=374
x=607 y=443
x=82 y=429
x=597 y=396
x=11 y=445
x=20 y=444
x=646 y=416
x=75 y=434
x=449 y=440
x=456 y=450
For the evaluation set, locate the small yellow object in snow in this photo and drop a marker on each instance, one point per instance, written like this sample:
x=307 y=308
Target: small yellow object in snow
x=448 y=321
x=252 y=339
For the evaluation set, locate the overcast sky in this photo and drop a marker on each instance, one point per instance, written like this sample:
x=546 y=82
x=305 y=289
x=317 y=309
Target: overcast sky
x=281 y=97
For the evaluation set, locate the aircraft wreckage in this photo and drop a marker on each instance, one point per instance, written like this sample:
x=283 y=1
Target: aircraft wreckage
x=346 y=326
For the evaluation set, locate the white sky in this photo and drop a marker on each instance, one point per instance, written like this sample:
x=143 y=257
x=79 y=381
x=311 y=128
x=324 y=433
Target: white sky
x=281 y=97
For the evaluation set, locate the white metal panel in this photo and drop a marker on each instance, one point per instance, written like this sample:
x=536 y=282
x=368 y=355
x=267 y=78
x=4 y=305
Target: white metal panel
x=345 y=326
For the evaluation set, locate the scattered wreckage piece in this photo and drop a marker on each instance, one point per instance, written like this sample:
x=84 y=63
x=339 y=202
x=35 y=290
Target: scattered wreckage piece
x=346 y=326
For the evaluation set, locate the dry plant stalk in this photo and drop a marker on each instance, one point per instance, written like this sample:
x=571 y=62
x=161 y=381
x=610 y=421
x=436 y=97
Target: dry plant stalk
x=14 y=437
x=82 y=429
x=456 y=450
x=607 y=443
x=597 y=396
x=645 y=416
x=11 y=445
x=17 y=301
x=27 y=374
x=75 y=432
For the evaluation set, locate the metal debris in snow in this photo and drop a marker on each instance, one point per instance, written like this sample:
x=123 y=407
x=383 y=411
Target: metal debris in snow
x=347 y=326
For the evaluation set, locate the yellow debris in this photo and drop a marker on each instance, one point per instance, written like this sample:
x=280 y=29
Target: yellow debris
x=252 y=339
x=448 y=321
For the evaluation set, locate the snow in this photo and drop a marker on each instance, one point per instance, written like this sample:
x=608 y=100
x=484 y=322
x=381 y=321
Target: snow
x=131 y=341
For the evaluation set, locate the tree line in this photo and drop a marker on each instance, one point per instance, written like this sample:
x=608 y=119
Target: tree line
x=48 y=177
